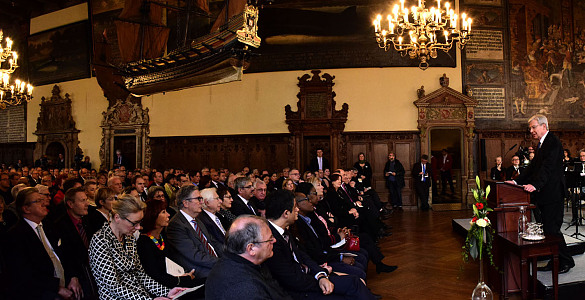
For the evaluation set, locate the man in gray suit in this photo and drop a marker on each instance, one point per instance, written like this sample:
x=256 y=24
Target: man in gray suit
x=190 y=244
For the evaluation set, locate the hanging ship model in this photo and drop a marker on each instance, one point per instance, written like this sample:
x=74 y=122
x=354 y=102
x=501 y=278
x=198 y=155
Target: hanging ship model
x=220 y=56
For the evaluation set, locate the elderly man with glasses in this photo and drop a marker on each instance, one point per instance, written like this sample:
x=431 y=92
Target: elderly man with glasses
x=240 y=274
x=190 y=243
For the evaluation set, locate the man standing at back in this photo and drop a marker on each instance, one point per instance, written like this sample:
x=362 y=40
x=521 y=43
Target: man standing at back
x=394 y=173
x=319 y=162
x=544 y=179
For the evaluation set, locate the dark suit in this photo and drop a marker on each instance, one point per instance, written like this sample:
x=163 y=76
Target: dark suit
x=422 y=183
x=187 y=249
x=498 y=175
x=395 y=183
x=211 y=227
x=74 y=249
x=95 y=221
x=512 y=173
x=30 y=267
x=316 y=243
x=235 y=278
x=314 y=164
x=240 y=208
x=300 y=282
x=545 y=173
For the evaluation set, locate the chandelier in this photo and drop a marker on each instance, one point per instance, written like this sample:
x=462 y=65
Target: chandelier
x=11 y=93
x=420 y=32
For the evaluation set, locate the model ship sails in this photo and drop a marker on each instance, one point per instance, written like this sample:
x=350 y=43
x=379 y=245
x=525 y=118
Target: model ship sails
x=218 y=57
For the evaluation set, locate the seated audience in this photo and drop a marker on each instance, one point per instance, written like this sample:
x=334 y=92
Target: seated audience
x=104 y=199
x=211 y=204
x=241 y=204
x=294 y=270
x=113 y=258
x=240 y=273
x=190 y=244
x=35 y=264
x=73 y=233
x=225 y=215
x=153 y=251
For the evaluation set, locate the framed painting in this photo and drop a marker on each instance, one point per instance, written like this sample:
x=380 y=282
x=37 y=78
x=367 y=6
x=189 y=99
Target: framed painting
x=59 y=54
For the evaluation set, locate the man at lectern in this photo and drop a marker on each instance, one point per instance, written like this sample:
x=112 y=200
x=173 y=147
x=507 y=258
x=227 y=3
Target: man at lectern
x=544 y=179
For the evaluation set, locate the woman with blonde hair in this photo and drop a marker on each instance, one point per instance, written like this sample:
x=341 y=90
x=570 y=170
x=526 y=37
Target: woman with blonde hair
x=114 y=260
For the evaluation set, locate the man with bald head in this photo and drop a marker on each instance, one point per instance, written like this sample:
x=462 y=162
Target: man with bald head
x=240 y=274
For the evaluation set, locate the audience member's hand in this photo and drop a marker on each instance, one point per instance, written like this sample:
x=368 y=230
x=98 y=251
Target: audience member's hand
x=174 y=292
x=354 y=212
x=75 y=287
x=348 y=260
x=190 y=274
x=341 y=233
x=326 y=286
x=326 y=267
x=65 y=293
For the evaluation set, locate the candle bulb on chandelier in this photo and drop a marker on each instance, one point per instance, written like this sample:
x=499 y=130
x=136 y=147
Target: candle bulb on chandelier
x=405 y=15
x=401 y=4
x=469 y=25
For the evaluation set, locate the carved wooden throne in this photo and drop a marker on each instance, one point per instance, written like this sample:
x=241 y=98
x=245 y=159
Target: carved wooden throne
x=316 y=123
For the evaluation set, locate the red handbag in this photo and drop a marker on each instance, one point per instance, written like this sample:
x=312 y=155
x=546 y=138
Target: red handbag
x=352 y=243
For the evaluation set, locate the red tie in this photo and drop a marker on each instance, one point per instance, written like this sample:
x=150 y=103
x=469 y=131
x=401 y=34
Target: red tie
x=203 y=239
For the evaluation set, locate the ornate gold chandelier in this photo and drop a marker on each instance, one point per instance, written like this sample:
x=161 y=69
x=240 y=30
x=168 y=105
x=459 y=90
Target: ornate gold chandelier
x=420 y=32
x=11 y=93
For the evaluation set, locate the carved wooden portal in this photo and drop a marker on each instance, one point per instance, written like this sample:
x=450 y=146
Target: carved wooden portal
x=56 y=129
x=316 y=123
x=123 y=120
x=446 y=108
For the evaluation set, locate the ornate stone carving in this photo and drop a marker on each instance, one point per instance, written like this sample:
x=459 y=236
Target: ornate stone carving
x=55 y=124
x=126 y=114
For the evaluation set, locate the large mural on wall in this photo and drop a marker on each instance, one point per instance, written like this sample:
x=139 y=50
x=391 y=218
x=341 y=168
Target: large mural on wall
x=547 y=59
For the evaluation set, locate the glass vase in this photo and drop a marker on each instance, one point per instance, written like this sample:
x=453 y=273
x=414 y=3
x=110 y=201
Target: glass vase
x=482 y=291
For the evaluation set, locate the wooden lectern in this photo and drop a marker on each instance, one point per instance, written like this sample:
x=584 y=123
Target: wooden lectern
x=505 y=199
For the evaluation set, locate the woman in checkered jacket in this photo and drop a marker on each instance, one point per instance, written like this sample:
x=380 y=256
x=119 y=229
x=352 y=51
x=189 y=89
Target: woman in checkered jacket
x=114 y=261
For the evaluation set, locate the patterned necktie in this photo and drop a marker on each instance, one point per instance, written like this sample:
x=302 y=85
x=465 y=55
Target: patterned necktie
x=203 y=239
x=218 y=222
x=251 y=208
x=83 y=235
x=59 y=272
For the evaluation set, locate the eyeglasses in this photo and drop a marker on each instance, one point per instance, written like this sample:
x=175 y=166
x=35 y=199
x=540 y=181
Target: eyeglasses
x=313 y=193
x=133 y=223
x=270 y=240
x=227 y=196
x=261 y=190
x=302 y=199
x=248 y=187
x=194 y=198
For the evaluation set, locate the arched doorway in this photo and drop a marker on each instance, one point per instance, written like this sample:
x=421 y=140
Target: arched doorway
x=53 y=150
x=449 y=139
x=446 y=120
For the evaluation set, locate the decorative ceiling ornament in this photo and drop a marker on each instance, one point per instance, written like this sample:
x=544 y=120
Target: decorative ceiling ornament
x=419 y=31
x=11 y=93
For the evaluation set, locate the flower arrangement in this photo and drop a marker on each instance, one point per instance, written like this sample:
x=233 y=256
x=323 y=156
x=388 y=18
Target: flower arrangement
x=481 y=234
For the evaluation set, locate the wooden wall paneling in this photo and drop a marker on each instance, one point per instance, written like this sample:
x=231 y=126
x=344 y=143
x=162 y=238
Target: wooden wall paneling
x=379 y=157
x=493 y=148
x=10 y=153
x=404 y=153
x=232 y=152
